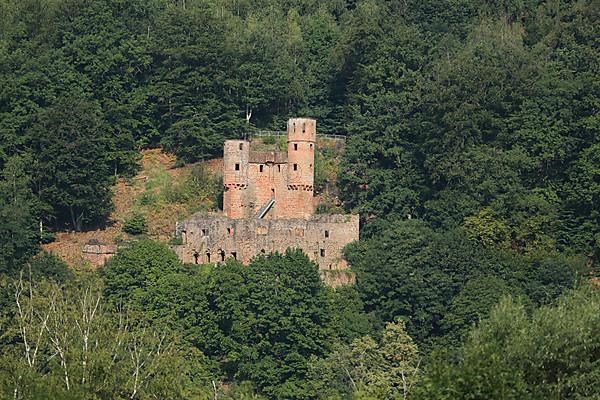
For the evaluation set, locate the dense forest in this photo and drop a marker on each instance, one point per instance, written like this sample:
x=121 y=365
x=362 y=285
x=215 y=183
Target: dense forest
x=472 y=156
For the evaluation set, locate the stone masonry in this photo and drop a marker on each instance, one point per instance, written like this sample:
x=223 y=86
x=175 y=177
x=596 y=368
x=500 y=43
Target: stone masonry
x=268 y=207
x=253 y=178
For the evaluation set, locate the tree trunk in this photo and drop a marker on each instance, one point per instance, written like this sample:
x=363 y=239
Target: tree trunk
x=248 y=113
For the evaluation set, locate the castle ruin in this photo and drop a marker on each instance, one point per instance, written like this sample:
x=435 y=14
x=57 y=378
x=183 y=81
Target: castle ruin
x=268 y=206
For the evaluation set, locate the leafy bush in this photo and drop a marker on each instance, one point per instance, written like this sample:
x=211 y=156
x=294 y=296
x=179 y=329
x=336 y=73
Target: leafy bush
x=176 y=241
x=48 y=266
x=136 y=225
x=329 y=208
x=131 y=273
x=551 y=354
x=200 y=189
x=47 y=237
x=269 y=140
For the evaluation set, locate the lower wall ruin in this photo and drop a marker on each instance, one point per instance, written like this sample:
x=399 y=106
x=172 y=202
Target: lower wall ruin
x=211 y=238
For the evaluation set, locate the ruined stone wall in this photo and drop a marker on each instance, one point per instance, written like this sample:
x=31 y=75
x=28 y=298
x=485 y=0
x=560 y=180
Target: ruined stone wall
x=97 y=253
x=211 y=238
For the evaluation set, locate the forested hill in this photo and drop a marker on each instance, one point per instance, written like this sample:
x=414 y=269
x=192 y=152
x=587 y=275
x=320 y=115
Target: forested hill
x=462 y=109
x=473 y=157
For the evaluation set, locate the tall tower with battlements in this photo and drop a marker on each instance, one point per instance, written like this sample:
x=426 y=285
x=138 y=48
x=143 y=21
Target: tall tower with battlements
x=235 y=177
x=301 y=141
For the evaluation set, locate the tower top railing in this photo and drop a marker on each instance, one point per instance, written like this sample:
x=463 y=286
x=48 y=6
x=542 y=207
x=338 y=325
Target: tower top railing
x=262 y=133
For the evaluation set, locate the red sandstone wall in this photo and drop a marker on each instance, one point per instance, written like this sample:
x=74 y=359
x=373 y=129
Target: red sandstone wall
x=235 y=181
x=248 y=188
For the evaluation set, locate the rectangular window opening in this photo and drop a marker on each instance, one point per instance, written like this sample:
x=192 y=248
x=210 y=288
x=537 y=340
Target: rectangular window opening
x=237 y=167
x=234 y=255
x=295 y=167
x=322 y=252
x=295 y=146
x=260 y=168
x=326 y=234
x=241 y=146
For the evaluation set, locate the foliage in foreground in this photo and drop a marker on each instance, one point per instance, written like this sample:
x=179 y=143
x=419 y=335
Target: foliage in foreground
x=156 y=328
x=366 y=369
x=69 y=343
x=554 y=353
x=261 y=323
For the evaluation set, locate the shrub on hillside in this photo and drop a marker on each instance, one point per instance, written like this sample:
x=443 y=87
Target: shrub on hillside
x=135 y=225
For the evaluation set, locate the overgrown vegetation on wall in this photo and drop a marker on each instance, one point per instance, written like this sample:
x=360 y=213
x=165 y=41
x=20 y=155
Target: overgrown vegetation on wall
x=472 y=155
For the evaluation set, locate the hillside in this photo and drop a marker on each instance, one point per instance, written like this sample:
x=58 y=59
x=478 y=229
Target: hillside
x=164 y=193
x=160 y=191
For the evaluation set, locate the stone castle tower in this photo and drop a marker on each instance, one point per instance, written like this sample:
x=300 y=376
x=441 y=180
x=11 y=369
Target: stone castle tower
x=277 y=184
x=268 y=206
